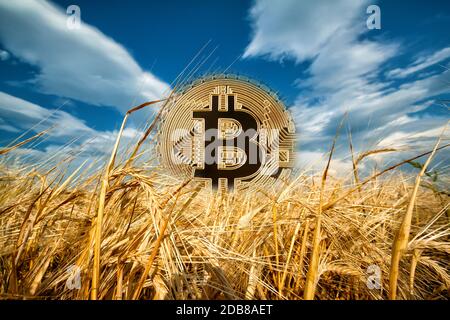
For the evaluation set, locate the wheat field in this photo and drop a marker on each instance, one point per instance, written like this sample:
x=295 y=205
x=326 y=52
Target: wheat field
x=133 y=232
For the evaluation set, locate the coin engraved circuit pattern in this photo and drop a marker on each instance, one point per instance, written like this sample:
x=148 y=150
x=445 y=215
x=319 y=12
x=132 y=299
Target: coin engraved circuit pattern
x=229 y=133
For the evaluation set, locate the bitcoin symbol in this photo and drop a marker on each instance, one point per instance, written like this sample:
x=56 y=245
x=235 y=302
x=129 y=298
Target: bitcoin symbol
x=232 y=152
x=228 y=132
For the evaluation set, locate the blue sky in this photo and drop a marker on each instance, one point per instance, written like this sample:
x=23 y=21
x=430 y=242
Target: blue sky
x=319 y=56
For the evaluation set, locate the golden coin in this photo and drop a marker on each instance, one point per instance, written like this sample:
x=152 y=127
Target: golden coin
x=228 y=132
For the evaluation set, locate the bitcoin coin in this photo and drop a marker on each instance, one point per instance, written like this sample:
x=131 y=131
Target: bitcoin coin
x=229 y=132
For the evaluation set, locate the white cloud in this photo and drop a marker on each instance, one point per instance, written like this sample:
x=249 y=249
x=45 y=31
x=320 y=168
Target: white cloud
x=298 y=29
x=18 y=115
x=23 y=115
x=371 y=106
x=82 y=64
x=316 y=161
x=345 y=75
x=403 y=135
x=421 y=63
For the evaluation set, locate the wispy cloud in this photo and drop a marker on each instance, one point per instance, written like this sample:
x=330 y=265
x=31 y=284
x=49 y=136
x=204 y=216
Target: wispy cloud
x=18 y=114
x=421 y=63
x=82 y=64
x=68 y=134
